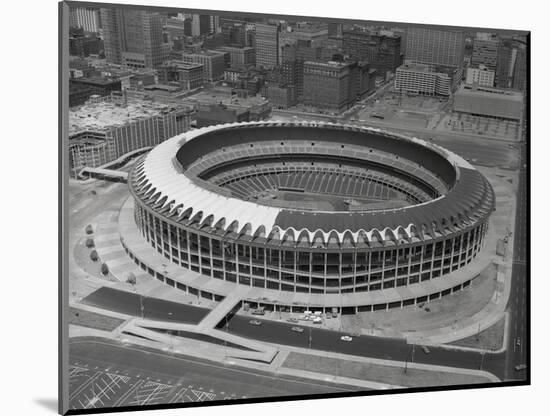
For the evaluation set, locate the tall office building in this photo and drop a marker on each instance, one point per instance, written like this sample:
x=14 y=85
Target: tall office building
x=382 y=51
x=506 y=58
x=313 y=36
x=86 y=18
x=267 y=45
x=435 y=46
x=200 y=25
x=485 y=51
x=133 y=38
x=520 y=69
x=293 y=58
x=333 y=85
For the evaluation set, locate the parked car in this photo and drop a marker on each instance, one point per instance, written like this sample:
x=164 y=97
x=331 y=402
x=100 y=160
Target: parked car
x=293 y=320
x=346 y=338
x=425 y=349
x=255 y=322
x=518 y=342
x=298 y=329
x=258 y=312
x=317 y=320
x=520 y=367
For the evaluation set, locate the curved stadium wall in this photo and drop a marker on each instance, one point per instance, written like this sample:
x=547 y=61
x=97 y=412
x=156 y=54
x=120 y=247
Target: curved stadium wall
x=312 y=208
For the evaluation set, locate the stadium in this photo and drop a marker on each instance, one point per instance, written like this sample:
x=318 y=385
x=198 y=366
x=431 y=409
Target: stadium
x=315 y=216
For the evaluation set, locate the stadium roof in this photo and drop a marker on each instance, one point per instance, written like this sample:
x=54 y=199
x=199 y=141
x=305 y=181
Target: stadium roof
x=161 y=181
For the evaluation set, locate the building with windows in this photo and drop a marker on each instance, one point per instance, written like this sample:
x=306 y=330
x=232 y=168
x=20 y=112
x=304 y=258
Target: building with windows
x=103 y=130
x=485 y=51
x=482 y=76
x=423 y=79
x=435 y=46
x=133 y=37
x=381 y=51
x=186 y=75
x=85 y=17
x=82 y=88
x=213 y=62
x=240 y=57
x=489 y=102
x=334 y=86
x=267 y=45
x=388 y=221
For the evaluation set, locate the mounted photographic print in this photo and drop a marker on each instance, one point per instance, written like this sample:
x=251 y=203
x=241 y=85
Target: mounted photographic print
x=264 y=207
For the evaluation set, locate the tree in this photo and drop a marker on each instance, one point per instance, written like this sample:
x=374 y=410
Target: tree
x=104 y=269
x=131 y=278
x=94 y=256
x=89 y=242
x=89 y=229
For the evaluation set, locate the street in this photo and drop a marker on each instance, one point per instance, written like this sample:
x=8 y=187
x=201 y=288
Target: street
x=281 y=333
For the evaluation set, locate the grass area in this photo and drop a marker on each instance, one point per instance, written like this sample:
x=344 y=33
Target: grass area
x=93 y=320
x=490 y=338
x=378 y=373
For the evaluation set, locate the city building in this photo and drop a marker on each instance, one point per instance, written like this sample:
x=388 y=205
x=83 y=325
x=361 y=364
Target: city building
x=83 y=45
x=423 y=79
x=293 y=58
x=213 y=62
x=482 y=76
x=506 y=60
x=334 y=86
x=381 y=51
x=85 y=17
x=200 y=25
x=82 y=88
x=234 y=34
x=187 y=75
x=240 y=56
x=489 y=102
x=213 y=114
x=520 y=69
x=133 y=38
x=280 y=96
x=485 y=51
x=314 y=36
x=388 y=221
x=267 y=45
x=104 y=130
x=435 y=46
x=177 y=29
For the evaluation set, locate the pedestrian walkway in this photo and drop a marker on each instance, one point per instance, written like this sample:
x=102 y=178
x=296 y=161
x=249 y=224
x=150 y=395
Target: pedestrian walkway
x=253 y=350
x=223 y=308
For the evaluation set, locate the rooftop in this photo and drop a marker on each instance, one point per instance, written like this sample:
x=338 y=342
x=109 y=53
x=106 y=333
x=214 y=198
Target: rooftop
x=490 y=92
x=106 y=114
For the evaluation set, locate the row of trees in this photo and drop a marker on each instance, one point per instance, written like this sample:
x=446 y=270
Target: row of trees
x=131 y=279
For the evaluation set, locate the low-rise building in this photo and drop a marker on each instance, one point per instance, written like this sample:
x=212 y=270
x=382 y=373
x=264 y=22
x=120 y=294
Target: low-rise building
x=489 y=102
x=240 y=57
x=213 y=62
x=82 y=88
x=424 y=79
x=280 y=95
x=187 y=75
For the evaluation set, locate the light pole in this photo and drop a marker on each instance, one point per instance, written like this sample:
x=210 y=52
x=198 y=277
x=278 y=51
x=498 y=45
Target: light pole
x=310 y=336
x=481 y=363
x=141 y=307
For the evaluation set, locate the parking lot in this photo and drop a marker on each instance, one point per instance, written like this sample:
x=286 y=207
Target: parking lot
x=96 y=387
